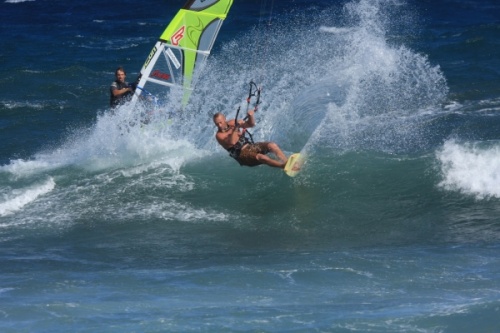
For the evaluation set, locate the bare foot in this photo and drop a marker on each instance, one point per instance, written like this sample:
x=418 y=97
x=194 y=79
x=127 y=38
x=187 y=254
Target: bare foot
x=296 y=166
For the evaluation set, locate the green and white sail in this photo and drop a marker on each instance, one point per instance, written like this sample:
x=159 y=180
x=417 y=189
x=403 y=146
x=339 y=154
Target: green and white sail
x=179 y=54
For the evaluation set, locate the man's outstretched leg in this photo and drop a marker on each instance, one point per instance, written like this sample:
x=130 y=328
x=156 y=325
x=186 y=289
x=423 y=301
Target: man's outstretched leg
x=269 y=161
x=275 y=149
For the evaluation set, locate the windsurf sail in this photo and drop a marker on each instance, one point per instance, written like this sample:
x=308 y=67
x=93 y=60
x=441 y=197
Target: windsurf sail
x=179 y=54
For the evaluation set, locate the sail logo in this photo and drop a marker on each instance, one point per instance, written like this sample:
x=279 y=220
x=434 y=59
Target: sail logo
x=179 y=34
x=148 y=60
x=160 y=75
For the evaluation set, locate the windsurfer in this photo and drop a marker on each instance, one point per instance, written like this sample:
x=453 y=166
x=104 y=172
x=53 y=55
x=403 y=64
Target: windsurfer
x=231 y=136
x=120 y=91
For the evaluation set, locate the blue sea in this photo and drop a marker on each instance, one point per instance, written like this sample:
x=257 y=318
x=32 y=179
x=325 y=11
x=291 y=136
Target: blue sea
x=392 y=225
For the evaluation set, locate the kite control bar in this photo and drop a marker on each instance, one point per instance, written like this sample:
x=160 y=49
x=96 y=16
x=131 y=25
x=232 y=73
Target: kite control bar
x=254 y=91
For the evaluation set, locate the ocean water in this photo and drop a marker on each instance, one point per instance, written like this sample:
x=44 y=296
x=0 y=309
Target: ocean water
x=393 y=225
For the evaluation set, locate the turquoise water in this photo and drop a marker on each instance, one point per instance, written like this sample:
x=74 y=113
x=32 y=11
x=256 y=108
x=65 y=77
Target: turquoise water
x=391 y=226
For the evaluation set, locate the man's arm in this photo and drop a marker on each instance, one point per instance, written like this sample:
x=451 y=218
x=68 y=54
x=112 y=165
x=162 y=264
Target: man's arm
x=118 y=92
x=250 y=122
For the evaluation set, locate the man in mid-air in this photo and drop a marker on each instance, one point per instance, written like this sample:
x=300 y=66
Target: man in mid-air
x=231 y=136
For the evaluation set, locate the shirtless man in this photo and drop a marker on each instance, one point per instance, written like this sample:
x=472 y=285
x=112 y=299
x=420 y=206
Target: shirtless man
x=231 y=137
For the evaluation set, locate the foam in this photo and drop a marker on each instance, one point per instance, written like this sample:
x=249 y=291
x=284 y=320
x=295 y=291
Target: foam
x=334 y=30
x=112 y=142
x=17 y=105
x=471 y=168
x=17 y=1
x=17 y=199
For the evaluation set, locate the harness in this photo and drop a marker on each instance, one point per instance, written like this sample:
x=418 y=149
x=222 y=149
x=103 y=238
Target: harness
x=235 y=150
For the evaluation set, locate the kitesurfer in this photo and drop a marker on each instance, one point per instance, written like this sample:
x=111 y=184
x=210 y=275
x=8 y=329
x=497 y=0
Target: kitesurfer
x=120 y=91
x=231 y=136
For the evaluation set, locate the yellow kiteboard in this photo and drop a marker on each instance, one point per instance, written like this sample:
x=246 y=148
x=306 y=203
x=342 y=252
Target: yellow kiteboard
x=294 y=164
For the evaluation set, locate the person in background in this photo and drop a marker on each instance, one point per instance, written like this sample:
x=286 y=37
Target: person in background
x=231 y=136
x=120 y=91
